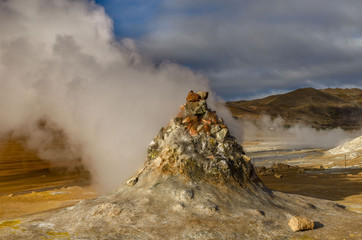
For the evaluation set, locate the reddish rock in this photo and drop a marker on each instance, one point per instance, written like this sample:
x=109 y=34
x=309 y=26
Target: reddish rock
x=206 y=121
x=194 y=125
x=192 y=97
x=193 y=132
x=186 y=120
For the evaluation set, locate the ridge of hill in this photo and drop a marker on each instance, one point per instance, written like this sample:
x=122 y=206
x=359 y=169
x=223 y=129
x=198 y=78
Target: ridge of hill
x=319 y=108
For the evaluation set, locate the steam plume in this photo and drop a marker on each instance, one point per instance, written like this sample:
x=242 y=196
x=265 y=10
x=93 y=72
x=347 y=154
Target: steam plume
x=59 y=62
x=298 y=134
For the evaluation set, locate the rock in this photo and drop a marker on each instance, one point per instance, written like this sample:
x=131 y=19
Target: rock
x=203 y=95
x=261 y=170
x=298 y=223
x=220 y=135
x=193 y=132
x=200 y=128
x=132 y=181
x=192 y=97
x=246 y=158
x=278 y=175
x=215 y=129
x=195 y=108
x=186 y=120
x=210 y=117
x=190 y=120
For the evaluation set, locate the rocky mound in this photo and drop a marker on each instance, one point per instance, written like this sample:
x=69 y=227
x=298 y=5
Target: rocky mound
x=197 y=183
x=198 y=145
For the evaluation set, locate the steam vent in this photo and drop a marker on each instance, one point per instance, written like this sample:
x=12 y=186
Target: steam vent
x=197 y=183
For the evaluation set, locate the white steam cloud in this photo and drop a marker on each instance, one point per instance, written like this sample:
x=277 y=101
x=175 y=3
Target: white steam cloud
x=295 y=135
x=59 y=62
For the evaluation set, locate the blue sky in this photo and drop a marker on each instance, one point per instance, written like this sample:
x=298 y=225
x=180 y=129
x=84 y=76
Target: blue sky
x=130 y=17
x=249 y=48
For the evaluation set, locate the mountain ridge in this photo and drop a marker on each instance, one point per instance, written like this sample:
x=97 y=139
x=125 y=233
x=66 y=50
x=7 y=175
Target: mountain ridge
x=319 y=108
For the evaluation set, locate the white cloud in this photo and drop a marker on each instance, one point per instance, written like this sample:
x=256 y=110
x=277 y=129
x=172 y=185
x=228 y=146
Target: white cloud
x=285 y=42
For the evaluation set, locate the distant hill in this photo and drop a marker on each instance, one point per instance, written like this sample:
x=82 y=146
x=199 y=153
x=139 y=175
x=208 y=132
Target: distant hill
x=325 y=108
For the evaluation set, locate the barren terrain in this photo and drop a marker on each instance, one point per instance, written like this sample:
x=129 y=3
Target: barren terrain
x=45 y=190
x=168 y=200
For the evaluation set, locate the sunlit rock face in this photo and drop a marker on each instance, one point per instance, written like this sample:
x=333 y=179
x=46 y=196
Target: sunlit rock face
x=198 y=145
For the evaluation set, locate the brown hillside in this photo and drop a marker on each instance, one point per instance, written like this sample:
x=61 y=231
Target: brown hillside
x=326 y=108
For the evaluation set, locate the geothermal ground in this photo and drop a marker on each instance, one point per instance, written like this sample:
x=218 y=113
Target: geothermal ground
x=197 y=183
x=32 y=194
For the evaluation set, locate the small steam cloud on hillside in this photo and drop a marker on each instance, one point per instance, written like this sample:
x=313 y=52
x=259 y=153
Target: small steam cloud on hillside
x=59 y=62
x=297 y=134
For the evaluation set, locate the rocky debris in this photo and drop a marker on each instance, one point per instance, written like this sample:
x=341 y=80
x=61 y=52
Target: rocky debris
x=198 y=145
x=283 y=166
x=280 y=170
x=298 y=223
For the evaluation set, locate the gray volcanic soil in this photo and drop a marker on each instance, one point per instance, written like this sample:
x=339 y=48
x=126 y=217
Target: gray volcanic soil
x=197 y=183
x=171 y=207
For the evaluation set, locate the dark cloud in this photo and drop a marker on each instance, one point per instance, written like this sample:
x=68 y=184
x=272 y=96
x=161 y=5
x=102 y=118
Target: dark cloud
x=251 y=47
